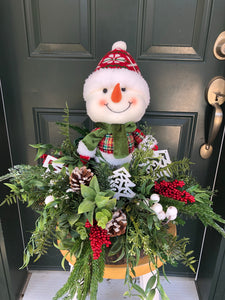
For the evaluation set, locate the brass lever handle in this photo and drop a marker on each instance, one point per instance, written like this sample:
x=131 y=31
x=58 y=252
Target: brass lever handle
x=216 y=96
x=217 y=118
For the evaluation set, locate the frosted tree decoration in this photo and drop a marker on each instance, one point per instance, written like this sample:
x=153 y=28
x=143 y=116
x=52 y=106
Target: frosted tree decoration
x=121 y=184
x=57 y=166
x=161 y=161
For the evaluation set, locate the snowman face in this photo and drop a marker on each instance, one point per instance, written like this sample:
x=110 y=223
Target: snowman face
x=115 y=100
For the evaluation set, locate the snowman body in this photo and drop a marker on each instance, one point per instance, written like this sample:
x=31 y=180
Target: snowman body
x=116 y=98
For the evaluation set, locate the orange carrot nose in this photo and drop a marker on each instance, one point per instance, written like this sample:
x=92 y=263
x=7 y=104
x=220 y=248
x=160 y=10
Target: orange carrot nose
x=116 y=93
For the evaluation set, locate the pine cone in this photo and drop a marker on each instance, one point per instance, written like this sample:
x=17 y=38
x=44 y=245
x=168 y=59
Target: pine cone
x=80 y=176
x=118 y=224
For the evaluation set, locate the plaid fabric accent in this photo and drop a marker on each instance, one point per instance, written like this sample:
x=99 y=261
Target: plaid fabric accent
x=133 y=139
x=138 y=136
x=106 y=144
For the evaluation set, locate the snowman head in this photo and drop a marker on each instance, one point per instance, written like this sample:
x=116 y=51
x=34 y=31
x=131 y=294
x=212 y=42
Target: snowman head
x=116 y=93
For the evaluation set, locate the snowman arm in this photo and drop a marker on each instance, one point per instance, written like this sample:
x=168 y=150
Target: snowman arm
x=83 y=150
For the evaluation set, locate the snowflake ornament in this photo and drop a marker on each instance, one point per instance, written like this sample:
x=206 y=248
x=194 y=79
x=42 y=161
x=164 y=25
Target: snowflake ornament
x=121 y=184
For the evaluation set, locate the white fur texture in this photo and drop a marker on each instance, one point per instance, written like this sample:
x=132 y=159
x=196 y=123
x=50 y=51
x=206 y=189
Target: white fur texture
x=105 y=78
x=112 y=160
x=119 y=45
x=133 y=104
x=83 y=150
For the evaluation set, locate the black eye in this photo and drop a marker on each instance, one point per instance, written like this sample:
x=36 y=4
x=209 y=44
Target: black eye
x=123 y=89
x=105 y=91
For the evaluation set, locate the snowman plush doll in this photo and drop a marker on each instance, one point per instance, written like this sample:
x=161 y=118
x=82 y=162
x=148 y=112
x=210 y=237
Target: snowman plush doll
x=116 y=98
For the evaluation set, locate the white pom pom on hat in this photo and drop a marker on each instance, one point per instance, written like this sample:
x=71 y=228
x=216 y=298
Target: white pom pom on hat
x=119 y=45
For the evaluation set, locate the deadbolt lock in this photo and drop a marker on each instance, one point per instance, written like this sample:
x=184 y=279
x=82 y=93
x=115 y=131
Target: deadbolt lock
x=219 y=46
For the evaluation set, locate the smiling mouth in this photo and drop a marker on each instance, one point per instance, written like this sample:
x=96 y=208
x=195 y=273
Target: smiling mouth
x=118 y=112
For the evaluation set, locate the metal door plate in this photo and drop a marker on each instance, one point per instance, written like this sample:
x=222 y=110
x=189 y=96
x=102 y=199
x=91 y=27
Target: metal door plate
x=215 y=92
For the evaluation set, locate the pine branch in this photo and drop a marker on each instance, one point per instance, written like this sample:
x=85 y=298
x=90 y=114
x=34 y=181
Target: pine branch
x=10 y=199
x=5 y=177
x=67 y=146
x=41 y=239
x=80 y=277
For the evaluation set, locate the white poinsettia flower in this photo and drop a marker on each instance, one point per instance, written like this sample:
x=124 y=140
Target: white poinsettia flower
x=49 y=199
x=155 y=197
x=171 y=213
x=157 y=208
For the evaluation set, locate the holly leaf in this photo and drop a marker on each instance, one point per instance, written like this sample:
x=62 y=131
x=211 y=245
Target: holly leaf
x=90 y=216
x=86 y=206
x=87 y=192
x=94 y=184
x=101 y=201
x=73 y=219
x=111 y=203
x=64 y=159
x=40 y=152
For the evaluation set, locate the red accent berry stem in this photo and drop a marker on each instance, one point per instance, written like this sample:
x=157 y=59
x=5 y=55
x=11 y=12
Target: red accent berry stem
x=97 y=237
x=169 y=189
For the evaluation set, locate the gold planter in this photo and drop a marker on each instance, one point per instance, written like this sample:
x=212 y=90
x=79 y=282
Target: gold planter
x=118 y=271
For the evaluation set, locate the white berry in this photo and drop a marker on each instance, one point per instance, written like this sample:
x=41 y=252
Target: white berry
x=49 y=199
x=157 y=208
x=155 y=197
x=161 y=215
x=171 y=213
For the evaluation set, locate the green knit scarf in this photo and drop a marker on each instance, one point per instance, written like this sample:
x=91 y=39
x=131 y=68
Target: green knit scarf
x=118 y=131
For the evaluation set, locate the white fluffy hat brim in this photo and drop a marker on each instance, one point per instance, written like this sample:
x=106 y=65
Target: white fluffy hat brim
x=104 y=78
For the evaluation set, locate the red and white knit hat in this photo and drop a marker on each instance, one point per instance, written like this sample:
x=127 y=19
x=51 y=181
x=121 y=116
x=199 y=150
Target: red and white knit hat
x=118 y=58
x=117 y=66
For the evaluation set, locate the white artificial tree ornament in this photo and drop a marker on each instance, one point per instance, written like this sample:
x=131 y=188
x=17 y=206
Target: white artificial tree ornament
x=57 y=166
x=121 y=184
x=162 y=160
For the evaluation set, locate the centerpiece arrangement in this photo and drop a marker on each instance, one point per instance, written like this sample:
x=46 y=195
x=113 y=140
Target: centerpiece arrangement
x=110 y=196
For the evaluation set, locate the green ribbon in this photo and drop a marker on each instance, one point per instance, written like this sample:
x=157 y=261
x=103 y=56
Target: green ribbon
x=118 y=131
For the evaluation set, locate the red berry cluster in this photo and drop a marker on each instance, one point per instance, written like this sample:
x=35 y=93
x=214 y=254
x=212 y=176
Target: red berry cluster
x=169 y=189
x=97 y=237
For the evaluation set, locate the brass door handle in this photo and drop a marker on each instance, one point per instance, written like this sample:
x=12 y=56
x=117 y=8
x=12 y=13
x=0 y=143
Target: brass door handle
x=215 y=94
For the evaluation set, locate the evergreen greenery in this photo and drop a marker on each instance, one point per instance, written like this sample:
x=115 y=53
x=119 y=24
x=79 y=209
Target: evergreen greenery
x=62 y=221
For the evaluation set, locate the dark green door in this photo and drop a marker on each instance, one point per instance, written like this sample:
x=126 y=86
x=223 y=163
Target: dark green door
x=49 y=47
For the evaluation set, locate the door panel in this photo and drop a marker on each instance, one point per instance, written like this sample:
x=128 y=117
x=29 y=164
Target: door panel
x=50 y=34
x=49 y=52
x=176 y=31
